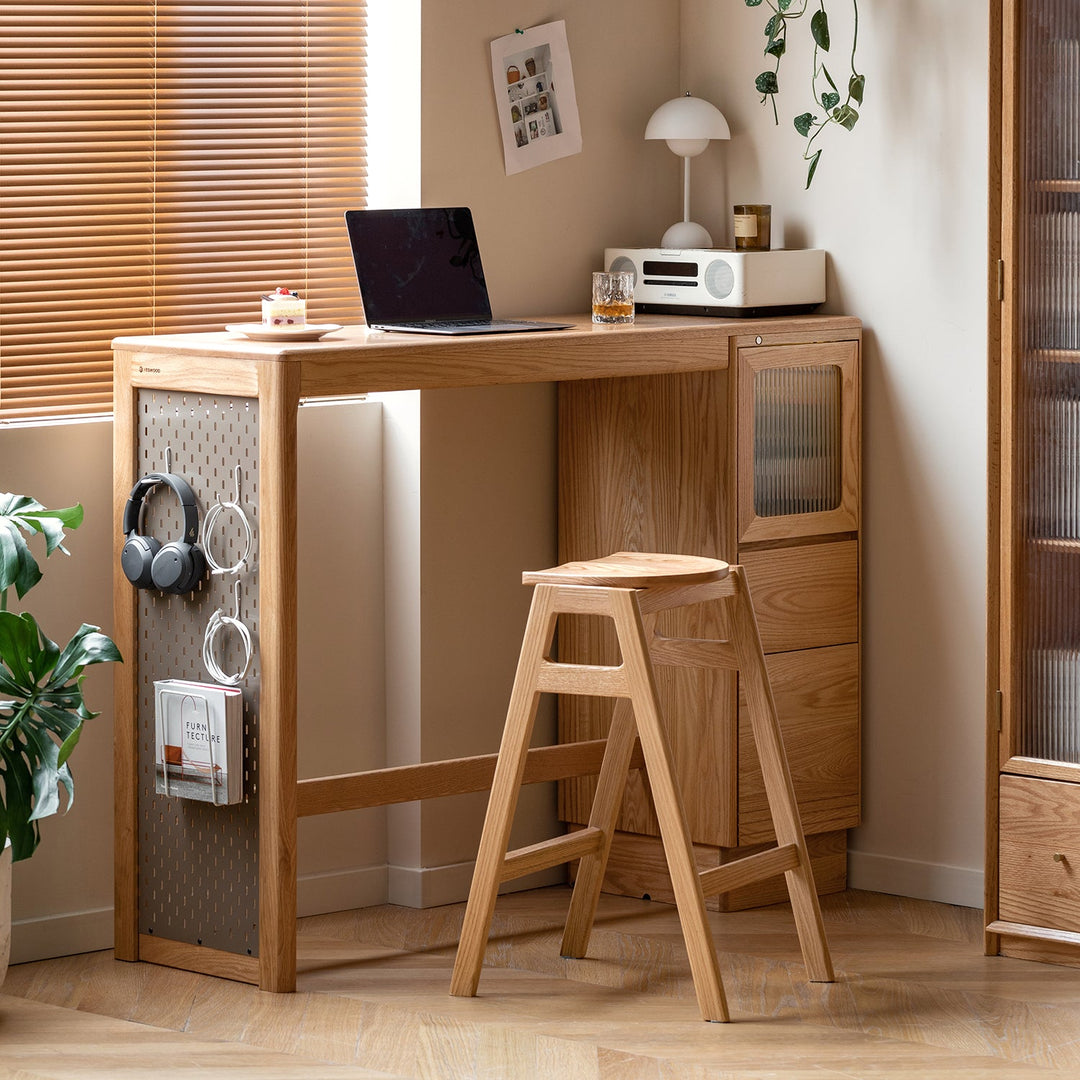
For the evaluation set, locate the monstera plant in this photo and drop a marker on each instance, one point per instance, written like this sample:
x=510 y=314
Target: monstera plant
x=837 y=106
x=42 y=710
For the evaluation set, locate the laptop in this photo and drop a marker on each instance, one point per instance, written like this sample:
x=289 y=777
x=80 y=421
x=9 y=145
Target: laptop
x=419 y=271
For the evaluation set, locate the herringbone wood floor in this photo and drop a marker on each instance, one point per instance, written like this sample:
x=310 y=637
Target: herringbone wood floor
x=914 y=999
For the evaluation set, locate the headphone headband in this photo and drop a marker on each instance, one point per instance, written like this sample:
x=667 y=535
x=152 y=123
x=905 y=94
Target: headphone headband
x=180 y=486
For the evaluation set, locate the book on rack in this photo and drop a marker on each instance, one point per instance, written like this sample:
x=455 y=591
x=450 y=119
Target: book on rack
x=199 y=741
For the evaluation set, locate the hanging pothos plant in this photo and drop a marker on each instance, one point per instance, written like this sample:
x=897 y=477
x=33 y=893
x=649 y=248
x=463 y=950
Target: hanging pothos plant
x=825 y=91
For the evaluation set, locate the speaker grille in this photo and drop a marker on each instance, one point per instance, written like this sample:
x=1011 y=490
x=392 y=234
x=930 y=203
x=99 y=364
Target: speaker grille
x=623 y=265
x=719 y=279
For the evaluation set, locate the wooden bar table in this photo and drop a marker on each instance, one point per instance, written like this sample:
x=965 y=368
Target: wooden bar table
x=206 y=401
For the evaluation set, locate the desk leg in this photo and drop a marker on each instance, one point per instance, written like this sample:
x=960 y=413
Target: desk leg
x=278 y=402
x=125 y=719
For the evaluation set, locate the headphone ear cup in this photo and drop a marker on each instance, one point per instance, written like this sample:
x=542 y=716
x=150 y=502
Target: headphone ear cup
x=177 y=567
x=137 y=560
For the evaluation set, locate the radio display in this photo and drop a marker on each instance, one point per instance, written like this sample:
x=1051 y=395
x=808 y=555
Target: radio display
x=670 y=269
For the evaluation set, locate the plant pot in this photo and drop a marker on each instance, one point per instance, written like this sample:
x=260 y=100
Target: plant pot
x=5 y=909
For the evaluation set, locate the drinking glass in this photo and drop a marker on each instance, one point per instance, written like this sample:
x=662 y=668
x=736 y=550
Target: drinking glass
x=612 y=297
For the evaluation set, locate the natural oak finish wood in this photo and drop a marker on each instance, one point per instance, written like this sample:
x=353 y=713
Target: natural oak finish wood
x=805 y=597
x=1031 y=804
x=623 y=586
x=686 y=357
x=1039 y=854
x=436 y=779
x=654 y=464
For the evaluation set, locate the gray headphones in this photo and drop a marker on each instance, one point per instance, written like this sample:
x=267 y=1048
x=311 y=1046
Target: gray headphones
x=173 y=567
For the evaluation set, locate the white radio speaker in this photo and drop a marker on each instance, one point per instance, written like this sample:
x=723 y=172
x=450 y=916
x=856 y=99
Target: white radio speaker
x=715 y=281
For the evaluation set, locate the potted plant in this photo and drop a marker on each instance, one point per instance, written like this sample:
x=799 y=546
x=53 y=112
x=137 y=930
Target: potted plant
x=42 y=710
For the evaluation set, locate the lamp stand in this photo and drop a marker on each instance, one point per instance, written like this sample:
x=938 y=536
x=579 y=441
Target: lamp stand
x=686 y=233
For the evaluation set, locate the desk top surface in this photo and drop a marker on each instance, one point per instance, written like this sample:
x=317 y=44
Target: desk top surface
x=356 y=359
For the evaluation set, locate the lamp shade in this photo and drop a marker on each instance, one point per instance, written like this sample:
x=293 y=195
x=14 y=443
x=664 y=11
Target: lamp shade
x=687 y=119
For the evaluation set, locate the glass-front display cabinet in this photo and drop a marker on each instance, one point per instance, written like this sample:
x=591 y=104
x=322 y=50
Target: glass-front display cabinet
x=1033 y=699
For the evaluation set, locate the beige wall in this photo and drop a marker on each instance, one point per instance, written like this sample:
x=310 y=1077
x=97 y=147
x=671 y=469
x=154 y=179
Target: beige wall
x=900 y=205
x=488 y=456
x=62 y=897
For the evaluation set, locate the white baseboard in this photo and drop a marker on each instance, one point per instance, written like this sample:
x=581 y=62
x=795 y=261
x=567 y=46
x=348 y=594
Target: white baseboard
x=433 y=886
x=909 y=877
x=341 y=890
x=74 y=932
x=61 y=935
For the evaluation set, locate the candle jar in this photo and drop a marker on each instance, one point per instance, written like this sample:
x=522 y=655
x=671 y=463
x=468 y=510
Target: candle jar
x=753 y=225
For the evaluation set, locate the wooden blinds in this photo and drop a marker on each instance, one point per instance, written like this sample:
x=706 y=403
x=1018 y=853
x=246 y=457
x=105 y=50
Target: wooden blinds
x=161 y=165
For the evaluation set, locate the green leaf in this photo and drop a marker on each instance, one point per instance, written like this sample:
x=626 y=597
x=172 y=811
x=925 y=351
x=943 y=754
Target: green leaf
x=753 y=3
x=846 y=116
x=19 y=647
x=855 y=87
x=42 y=722
x=804 y=122
x=766 y=83
x=783 y=5
x=819 y=27
x=773 y=25
x=830 y=100
x=825 y=72
x=19 y=514
x=88 y=646
x=813 y=168
x=777 y=47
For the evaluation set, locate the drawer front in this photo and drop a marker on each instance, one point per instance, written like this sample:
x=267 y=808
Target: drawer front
x=1040 y=819
x=817 y=701
x=805 y=597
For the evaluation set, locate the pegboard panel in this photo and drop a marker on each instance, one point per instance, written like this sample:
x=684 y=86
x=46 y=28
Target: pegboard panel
x=198 y=863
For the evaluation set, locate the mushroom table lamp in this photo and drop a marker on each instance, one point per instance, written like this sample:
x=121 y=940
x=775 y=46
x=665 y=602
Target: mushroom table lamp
x=687 y=124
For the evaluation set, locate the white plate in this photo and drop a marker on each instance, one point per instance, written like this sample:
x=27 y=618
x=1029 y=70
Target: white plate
x=259 y=332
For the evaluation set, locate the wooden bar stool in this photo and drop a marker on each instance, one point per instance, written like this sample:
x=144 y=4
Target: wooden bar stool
x=630 y=588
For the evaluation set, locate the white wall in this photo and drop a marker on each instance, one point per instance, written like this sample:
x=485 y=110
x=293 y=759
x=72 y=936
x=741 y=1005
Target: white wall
x=900 y=205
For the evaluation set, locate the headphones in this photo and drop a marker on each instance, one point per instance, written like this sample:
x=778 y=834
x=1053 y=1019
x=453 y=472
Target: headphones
x=175 y=567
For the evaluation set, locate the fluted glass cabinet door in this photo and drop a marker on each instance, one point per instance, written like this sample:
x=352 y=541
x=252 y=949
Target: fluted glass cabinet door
x=799 y=438
x=1045 y=332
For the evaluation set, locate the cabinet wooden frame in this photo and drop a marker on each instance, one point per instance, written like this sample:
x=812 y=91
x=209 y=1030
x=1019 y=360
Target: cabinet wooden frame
x=1031 y=802
x=651 y=465
x=844 y=517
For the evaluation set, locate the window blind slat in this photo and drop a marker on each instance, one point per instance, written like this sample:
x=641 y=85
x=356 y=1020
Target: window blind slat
x=164 y=163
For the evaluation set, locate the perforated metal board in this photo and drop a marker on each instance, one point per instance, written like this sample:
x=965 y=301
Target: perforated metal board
x=198 y=863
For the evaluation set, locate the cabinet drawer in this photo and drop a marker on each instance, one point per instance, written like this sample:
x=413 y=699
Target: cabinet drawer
x=805 y=597
x=817 y=701
x=1040 y=819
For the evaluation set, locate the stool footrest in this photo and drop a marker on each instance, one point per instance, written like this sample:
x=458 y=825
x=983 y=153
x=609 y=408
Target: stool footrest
x=750 y=868
x=528 y=860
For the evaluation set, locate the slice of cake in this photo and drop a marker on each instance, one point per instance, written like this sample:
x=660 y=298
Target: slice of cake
x=283 y=307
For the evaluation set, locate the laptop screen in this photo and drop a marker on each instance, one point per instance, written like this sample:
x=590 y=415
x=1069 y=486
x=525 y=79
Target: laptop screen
x=417 y=264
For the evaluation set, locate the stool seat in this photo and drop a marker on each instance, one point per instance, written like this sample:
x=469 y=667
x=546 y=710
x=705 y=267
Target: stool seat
x=631 y=588
x=632 y=570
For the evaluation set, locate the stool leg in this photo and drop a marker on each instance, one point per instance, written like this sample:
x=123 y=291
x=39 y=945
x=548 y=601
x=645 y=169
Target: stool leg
x=605 y=812
x=778 y=785
x=509 y=770
x=678 y=849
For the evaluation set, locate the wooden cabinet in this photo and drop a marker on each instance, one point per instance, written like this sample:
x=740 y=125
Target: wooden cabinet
x=758 y=464
x=1033 y=774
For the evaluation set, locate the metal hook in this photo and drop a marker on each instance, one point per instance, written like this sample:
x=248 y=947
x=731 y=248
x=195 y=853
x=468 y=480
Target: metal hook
x=168 y=459
x=236 y=599
x=236 y=486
